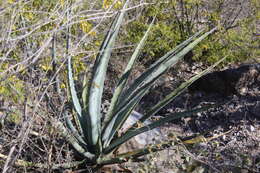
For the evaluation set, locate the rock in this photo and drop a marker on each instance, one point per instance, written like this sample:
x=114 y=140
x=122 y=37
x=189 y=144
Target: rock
x=143 y=139
x=229 y=81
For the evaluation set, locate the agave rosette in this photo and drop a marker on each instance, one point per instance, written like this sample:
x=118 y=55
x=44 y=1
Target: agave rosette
x=96 y=137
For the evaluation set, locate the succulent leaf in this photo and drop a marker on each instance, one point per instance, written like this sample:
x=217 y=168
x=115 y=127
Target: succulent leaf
x=73 y=91
x=155 y=72
x=70 y=138
x=119 y=118
x=177 y=92
x=140 y=80
x=123 y=80
x=153 y=125
x=97 y=81
x=152 y=74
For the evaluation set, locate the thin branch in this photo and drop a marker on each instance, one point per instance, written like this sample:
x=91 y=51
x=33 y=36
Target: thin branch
x=23 y=163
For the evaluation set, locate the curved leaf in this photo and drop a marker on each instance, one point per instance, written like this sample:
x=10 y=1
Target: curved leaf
x=73 y=92
x=97 y=81
x=122 y=81
x=147 y=74
x=177 y=92
x=70 y=138
x=151 y=126
x=148 y=78
x=119 y=118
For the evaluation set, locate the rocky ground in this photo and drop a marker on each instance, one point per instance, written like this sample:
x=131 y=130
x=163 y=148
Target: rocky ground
x=229 y=135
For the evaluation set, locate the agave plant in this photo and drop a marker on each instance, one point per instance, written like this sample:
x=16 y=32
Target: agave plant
x=94 y=135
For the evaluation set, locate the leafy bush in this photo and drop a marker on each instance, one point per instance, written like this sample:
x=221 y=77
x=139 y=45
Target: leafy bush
x=178 y=20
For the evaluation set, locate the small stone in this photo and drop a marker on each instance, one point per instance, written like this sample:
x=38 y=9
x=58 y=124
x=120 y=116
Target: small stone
x=251 y=128
x=224 y=137
x=243 y=90
x=199 y=113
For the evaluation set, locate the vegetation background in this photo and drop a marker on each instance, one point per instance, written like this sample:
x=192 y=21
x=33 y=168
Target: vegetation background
x=31 y=71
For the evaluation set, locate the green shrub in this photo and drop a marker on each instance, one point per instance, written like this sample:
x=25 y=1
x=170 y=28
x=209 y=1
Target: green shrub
x=178 y=20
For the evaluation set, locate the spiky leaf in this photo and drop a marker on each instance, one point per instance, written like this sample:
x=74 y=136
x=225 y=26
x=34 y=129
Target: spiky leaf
x=145 y=81
x=151 y=126
x=97 y=81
